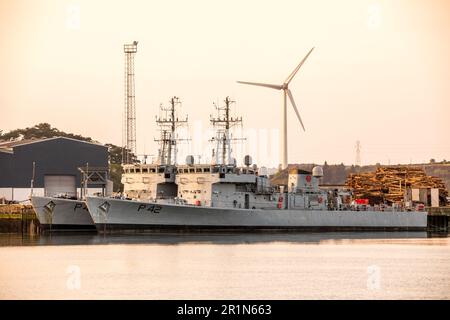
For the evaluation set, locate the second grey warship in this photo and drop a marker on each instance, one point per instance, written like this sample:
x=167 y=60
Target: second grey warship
x=224 y=196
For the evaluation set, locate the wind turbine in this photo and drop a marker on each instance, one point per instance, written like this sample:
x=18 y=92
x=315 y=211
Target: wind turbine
x=286 y=92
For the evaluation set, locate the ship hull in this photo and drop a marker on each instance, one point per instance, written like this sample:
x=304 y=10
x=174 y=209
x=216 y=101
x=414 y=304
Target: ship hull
x=62 y=214
x=111 y=215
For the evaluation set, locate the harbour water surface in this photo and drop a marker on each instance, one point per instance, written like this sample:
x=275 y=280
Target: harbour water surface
x=226 y=266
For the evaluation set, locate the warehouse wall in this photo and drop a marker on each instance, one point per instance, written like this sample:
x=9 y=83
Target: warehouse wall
x=5 y=167
x=54 y=156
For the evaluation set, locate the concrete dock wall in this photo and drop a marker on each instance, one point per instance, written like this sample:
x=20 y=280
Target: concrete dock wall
x=18 y=218
x=439 y=219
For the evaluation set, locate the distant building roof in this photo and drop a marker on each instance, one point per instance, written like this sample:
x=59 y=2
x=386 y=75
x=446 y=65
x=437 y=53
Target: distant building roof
x=12 y=143
x=8 y=145
x=6 y=150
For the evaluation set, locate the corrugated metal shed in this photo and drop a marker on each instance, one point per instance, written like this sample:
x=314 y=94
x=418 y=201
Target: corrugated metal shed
x=52 y=156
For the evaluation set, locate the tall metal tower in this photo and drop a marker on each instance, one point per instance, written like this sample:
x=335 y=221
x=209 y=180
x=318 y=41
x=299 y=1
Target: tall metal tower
x=223 y=123
x=129 y=126
x=358 y=153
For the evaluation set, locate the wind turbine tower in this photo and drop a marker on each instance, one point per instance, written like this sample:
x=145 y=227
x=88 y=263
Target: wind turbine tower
x=286 y=92
x=129 y=126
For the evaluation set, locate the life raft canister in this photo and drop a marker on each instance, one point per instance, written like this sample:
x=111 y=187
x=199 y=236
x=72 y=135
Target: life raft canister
x=320 y=199
x=280 y=203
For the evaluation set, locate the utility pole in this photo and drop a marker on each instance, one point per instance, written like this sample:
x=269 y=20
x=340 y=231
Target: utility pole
x=32 y=179
x=358 y=153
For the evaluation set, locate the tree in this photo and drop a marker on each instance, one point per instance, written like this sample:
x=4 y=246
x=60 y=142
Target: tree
x=115 y=174
x=115 y=153
x=432 y=160
x=40 y=131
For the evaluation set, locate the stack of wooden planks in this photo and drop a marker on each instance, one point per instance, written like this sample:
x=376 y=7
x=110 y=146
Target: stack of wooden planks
x=389 y=183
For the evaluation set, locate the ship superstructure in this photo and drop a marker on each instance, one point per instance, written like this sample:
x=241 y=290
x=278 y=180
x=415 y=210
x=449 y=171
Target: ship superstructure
x=223 y=184
x=223 y=195
x=201 y=184
x=230 y=186
x=156 y=181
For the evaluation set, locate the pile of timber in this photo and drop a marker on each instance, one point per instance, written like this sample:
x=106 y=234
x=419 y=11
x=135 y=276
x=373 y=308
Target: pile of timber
x=389 y=183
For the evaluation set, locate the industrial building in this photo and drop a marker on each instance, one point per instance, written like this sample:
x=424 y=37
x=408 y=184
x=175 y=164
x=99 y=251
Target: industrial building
x=49 y=167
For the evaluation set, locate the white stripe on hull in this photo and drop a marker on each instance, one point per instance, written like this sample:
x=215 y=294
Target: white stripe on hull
x=122 y=213
x=66 y=212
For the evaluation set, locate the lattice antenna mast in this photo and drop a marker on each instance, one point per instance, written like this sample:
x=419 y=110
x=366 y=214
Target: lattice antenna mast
x=222 y=125
x=169 y=122
x=129 y=127
x=358 y=153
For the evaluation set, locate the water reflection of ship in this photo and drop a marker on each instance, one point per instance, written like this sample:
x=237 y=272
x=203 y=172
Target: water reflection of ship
x=173 y=238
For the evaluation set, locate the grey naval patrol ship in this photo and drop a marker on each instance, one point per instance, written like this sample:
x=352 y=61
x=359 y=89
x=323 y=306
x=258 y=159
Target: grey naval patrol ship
x=224 y=196
x=66 y=211
x=61 y=213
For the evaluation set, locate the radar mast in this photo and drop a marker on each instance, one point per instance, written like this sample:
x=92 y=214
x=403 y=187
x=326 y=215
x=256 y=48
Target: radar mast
x=223 y=137
x=168 y=123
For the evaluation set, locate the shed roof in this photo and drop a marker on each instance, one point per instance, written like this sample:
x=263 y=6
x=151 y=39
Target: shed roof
x=11 y=144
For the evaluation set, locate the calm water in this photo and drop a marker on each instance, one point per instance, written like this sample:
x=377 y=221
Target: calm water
x=226 y=266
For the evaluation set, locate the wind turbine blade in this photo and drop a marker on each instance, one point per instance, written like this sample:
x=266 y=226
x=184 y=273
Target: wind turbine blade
x=291 y=76
x=295 y=108
x=273 y=86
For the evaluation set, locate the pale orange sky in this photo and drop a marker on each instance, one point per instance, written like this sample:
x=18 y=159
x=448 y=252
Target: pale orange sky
x=379 y=74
